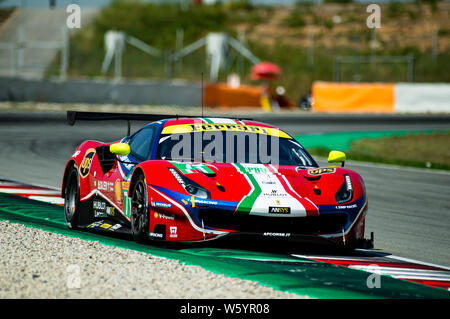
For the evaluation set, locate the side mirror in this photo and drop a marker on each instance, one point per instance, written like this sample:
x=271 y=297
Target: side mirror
x=336 y=157
x=120 y=148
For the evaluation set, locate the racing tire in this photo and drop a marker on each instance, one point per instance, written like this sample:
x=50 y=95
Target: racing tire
x=72 y=199
x=139 y=211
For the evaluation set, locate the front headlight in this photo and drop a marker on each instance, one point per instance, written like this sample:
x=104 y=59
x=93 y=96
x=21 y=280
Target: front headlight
x=345 y=192
x=190 y=186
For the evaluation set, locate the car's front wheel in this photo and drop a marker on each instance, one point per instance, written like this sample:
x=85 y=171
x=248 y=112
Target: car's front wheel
x=139 y=211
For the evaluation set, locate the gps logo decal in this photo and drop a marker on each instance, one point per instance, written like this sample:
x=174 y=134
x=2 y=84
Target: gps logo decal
x=85 y=166
x=279 y=210
x=319 y=171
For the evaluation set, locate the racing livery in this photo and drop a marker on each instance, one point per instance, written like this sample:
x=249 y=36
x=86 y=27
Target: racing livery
x=136 y=185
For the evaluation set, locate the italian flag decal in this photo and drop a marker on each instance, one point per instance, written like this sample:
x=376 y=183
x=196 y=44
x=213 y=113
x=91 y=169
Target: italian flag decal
x=271 y=193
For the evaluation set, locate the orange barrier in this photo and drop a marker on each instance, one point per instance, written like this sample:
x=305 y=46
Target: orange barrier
x=353 y=97
x=222 y=95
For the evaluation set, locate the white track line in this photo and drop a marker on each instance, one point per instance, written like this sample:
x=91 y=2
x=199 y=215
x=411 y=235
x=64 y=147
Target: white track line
x=331 y=257
x=416 y=262
x=403 y=271
x=48 y=199
x=368 y=259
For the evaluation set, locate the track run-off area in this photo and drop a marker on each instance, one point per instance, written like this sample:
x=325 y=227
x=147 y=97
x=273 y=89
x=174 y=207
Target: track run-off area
x=408 y=212
x=362 y=274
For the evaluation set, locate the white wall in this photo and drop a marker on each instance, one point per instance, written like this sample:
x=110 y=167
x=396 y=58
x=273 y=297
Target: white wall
x=422 y=97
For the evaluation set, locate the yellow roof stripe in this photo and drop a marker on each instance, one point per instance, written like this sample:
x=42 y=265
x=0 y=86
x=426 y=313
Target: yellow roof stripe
x=204 y=127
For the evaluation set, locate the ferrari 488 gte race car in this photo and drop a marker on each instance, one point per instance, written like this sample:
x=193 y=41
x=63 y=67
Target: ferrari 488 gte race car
x=189 y=179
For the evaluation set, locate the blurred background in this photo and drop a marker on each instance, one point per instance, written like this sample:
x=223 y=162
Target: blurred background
x=259 y=53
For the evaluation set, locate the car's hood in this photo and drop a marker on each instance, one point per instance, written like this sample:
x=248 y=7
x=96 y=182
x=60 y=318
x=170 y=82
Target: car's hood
x=275 y=189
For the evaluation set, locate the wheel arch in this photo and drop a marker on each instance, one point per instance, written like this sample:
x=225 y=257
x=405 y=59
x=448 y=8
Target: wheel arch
x=137 y=172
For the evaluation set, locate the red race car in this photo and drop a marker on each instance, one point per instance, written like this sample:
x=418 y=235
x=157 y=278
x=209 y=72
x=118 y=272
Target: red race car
x=193 y=179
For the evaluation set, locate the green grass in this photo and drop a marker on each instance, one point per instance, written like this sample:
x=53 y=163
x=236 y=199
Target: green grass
x=416 y=150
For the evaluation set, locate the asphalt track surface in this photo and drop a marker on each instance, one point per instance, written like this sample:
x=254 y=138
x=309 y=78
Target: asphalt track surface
x=409 y=210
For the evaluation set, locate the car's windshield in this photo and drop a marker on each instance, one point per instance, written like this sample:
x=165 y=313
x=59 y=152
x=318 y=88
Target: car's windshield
x=233 y=147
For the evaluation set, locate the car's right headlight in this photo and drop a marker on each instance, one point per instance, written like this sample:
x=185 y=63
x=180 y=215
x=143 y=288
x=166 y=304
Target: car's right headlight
x=345 y=192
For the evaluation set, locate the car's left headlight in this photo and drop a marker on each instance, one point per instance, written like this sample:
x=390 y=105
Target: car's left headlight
x=190 y=186
x=345 y=192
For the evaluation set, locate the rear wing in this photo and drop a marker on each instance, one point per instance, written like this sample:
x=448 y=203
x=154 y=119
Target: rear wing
x=74 y=116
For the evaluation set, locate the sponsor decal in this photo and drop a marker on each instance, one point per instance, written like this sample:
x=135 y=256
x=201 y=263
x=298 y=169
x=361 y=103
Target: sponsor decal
x=105 y=186
x=105 y=226
x=161 y=204
x=116 y=227
x=205 y=202
x=274 y=192
x=163 y=216
x=279 y=210
x=110 y=211
x=99 y=224
x=204 y=127
x=322 y=170
x=85 y=166
x=156 y=235
x=118 y=190
x=257 y=170
x=277 y=234
x=173 y=231
x=100 y=205
x=122 y=191
x=99 y=208
x=126 y=203
x=95 y=224
x=346 y=206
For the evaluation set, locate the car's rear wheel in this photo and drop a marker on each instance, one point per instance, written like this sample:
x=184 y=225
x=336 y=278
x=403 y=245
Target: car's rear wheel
x=72 y=199
x=139 y=211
